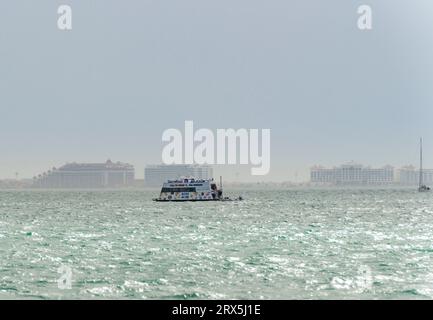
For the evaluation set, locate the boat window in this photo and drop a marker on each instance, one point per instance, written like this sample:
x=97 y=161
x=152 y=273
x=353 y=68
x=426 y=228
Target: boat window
x=178 y=190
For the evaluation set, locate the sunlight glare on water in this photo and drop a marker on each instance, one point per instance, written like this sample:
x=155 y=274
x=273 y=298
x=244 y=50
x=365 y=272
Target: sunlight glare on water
x=277 y=244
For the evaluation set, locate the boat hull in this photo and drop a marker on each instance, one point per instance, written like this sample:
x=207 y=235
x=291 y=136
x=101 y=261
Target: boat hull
x=196 y=200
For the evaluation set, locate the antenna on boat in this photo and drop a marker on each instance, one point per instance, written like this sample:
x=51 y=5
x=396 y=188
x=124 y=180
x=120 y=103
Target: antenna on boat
x=221 y=182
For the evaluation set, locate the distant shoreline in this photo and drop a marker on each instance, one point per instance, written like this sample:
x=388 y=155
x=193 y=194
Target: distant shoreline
x=228 y=187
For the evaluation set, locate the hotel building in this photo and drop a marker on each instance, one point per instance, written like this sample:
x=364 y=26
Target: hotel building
x=409 y=175
x=87 y=175
x=352 y=174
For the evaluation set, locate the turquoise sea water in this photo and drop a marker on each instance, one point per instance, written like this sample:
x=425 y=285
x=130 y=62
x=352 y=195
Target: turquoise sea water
x=279 y=244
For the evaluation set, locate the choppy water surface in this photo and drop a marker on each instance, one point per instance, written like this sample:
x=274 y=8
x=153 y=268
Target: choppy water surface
x=286 y=244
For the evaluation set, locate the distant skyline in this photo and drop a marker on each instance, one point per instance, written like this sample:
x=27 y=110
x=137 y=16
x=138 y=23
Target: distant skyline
x=236 y=176
x=126 y=72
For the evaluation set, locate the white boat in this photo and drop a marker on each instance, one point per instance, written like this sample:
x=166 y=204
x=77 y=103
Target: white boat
x=191 y=189
x=422 y=187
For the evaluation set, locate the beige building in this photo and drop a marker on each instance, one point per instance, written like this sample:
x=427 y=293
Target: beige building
x=409 y=175
x=352 y=174
x=87 y=175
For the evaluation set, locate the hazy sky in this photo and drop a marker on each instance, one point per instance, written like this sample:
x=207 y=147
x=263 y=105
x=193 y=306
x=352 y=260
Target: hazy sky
x=128 y=70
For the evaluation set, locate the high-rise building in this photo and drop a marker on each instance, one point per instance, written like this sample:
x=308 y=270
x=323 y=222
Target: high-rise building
x=352 y=174
x=87 y=175
x=409 y=175
x=156 y=175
